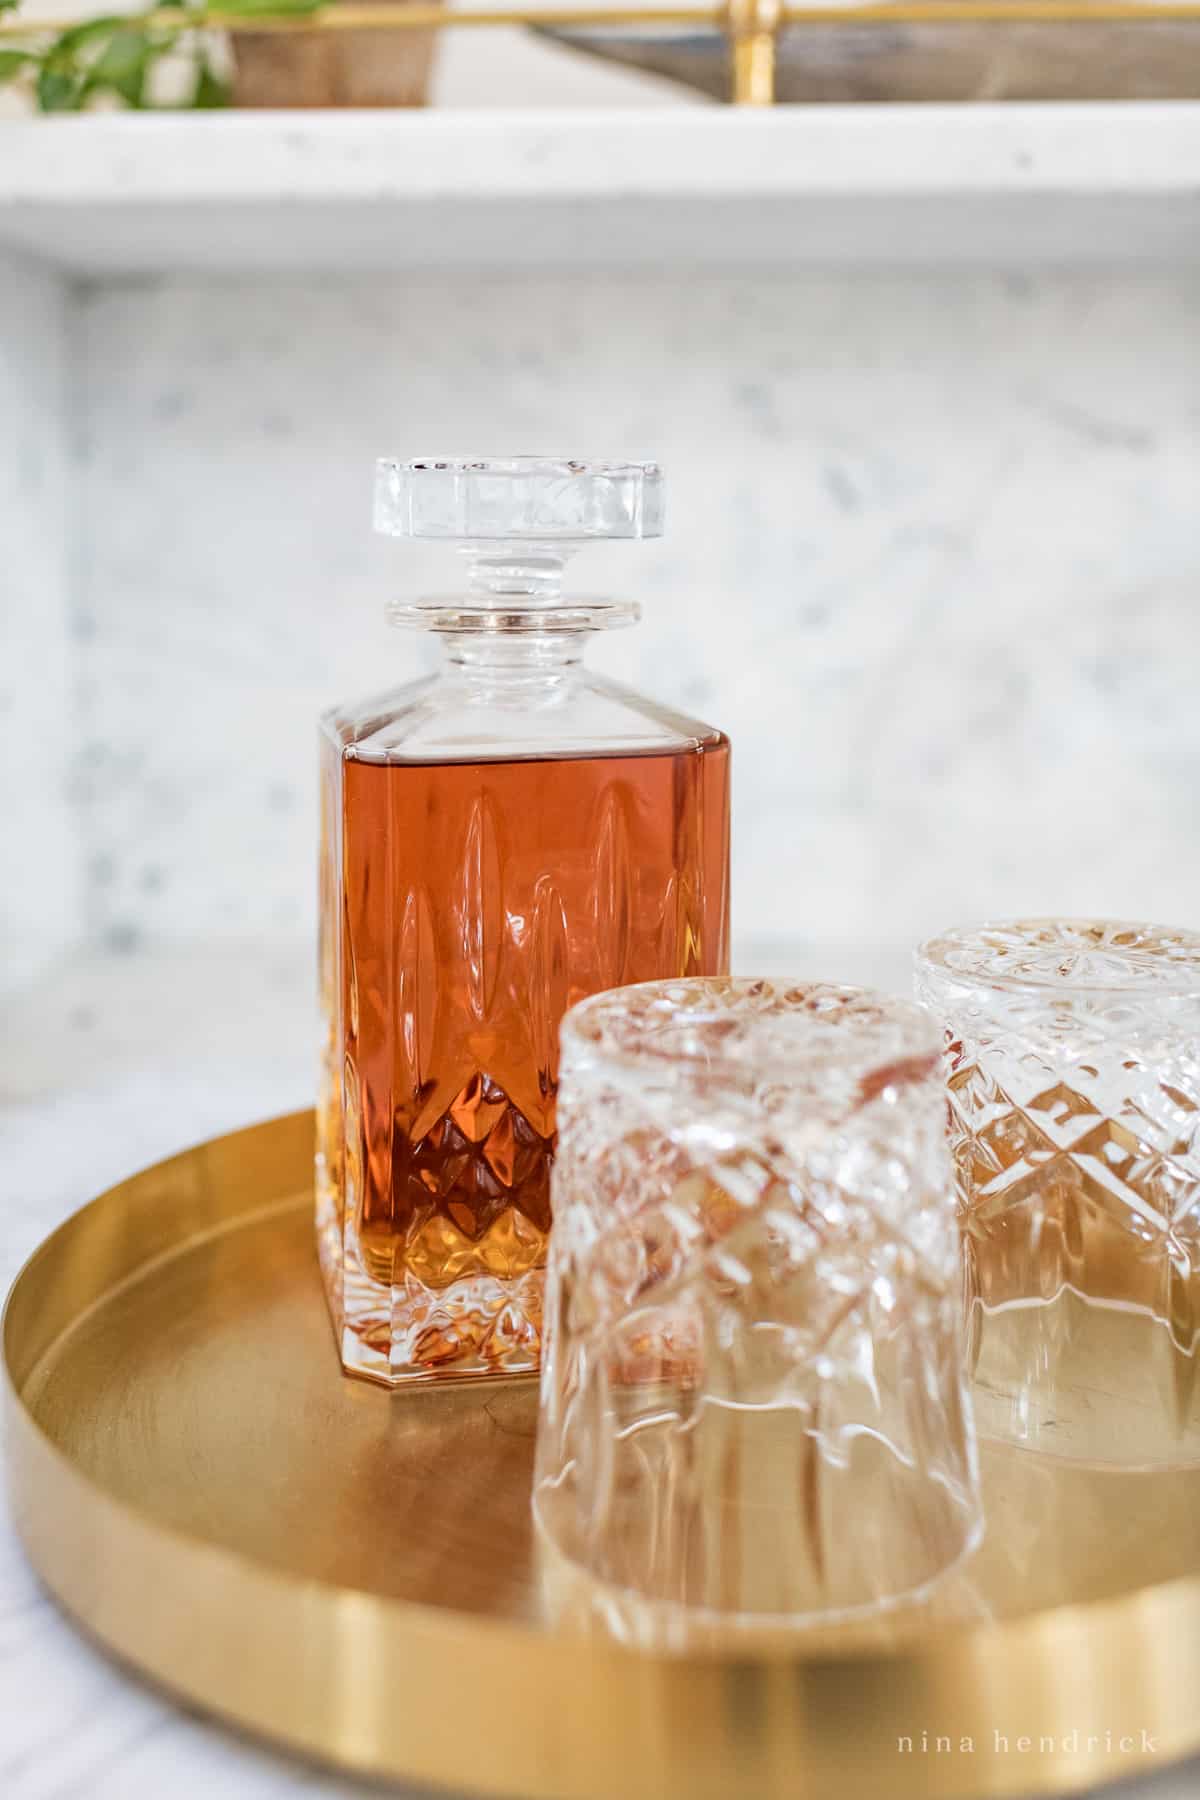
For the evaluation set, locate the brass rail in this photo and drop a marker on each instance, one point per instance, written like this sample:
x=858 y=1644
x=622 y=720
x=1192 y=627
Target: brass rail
x=752 y=26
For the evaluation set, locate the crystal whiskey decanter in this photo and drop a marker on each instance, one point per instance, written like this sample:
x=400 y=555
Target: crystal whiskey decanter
x=498 y=841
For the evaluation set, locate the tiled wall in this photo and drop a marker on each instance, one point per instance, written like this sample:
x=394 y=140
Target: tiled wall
x=933 y=560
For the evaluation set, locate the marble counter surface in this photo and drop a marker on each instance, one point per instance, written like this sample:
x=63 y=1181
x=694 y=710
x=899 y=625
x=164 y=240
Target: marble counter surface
x=1091 y=183
x=109 y=1064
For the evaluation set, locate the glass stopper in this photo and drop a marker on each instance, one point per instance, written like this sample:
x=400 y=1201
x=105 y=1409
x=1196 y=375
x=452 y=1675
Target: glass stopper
x=546 y=500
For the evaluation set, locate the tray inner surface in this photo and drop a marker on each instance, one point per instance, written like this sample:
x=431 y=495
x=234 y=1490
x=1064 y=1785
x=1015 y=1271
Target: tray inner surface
x=205 y=1391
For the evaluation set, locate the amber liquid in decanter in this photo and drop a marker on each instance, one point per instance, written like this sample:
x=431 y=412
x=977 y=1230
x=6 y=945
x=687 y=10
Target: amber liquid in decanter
x=467 y=900
x=481 y=900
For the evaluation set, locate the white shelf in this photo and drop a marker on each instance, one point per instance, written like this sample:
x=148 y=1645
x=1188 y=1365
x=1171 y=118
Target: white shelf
x=1012 y=184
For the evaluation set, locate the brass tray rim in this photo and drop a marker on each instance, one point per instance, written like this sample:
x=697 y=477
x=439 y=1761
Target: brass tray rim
x=1114 y=1626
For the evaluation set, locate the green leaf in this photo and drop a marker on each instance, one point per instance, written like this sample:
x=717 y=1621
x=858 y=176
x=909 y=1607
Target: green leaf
x=59 y=90
x=86 y=32
x=12 y=62
x=121 y=66
x=9 y=5
x=210 y=91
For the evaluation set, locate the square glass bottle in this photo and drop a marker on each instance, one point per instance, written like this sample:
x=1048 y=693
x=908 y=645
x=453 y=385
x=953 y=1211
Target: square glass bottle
x=498 y=840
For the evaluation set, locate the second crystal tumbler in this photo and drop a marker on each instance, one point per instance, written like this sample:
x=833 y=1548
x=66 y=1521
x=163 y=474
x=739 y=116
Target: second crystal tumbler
x=498 y=840
x=1073 y=1074
x=753 y=1402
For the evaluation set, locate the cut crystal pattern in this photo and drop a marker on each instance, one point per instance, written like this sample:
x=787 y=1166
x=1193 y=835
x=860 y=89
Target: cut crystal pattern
x=1073 y=1081
x=752 y=1396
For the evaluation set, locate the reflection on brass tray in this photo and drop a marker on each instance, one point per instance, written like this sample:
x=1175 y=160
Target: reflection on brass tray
x=1151 y=60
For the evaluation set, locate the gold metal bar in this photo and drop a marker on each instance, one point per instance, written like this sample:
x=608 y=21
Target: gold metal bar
x=751 y=27
x=991 y=12
x=754 y=69
x=345 y=15
x=395 y=15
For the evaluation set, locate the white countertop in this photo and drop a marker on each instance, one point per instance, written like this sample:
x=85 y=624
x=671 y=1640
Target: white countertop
x=91 y=1088
x=1012 y=184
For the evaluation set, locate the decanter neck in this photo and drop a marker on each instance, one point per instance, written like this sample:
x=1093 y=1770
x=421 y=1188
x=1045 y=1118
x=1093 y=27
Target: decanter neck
x=513 y=660
x=514 y=639
x=503 y=628
x=516 y=671
x=531 y=573
x=515 y=520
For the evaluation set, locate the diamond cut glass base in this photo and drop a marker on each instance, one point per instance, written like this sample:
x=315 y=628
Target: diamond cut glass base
x=459 y=1294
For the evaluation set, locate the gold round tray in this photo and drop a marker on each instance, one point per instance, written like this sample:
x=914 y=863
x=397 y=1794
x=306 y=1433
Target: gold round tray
x=352 y=1572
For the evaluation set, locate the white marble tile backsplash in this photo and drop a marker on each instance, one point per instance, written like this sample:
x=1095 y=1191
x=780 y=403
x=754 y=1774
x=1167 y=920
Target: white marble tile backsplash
x=40 y=878
x=932 y=560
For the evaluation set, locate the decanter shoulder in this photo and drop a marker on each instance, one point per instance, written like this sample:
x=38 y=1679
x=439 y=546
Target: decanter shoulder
x=390 y=716
x=648 y=722
x=438 y=719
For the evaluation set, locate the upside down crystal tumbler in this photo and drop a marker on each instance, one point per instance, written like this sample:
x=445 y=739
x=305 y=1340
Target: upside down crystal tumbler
x=753 y=1407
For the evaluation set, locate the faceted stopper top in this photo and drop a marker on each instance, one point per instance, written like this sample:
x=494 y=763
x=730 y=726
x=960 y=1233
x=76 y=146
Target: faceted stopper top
x=544 y=500
x=1066 y=956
